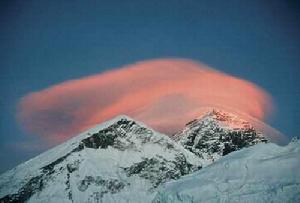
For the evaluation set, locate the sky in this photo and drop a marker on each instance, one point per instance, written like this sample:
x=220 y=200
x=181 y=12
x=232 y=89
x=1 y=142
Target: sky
x=45 y=43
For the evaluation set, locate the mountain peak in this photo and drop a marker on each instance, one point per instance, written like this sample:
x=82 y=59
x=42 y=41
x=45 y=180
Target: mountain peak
x=222 y=118
x=120 y=160
x=217 y=133
x=122 y=117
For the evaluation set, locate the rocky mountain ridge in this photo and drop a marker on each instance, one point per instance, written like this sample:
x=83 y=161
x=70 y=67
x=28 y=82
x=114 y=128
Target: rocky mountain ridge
x=123 y=160
x=218 y=133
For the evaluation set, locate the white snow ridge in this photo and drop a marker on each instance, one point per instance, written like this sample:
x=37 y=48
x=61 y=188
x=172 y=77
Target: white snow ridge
x=216 y=158
x=262 y=173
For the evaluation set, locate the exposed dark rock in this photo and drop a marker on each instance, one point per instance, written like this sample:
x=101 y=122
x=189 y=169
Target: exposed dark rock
x=34 y=185
x=159 y=170
x=206 y=136
x=105 y=186
x=108 y=136
x=100 y=140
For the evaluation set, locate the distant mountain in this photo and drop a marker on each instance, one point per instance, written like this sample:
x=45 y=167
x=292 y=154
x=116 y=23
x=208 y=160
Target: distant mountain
x=262 y=173
x=119 y=161
x=217 y=133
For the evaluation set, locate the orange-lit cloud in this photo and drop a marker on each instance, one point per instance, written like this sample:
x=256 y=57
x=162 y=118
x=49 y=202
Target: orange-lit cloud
x=164 y=94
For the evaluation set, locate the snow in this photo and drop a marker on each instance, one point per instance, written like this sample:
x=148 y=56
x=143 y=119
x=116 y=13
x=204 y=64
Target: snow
x=31 y=167
x=78 y=171
x=261 y=173
x=93 y=174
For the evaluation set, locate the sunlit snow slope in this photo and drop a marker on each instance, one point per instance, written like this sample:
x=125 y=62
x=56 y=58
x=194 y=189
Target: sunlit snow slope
x=261 y=173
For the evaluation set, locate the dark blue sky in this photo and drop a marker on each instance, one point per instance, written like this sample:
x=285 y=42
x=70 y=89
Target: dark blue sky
x=46 y=42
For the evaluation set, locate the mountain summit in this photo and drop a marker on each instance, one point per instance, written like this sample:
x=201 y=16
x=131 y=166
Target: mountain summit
x=218 y=133
x=119 y=161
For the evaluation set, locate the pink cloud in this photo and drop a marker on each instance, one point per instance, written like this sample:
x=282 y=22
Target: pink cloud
x=164 y=94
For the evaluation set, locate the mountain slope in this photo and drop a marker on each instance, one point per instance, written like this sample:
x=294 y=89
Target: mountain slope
x=119 y=161
x=262 y=173
x=216 y=134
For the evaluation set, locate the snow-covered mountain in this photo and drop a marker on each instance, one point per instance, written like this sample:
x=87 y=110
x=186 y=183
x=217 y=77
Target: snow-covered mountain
x=217 y=133
x=119 y=161
x=261 y=173
x=123 y=160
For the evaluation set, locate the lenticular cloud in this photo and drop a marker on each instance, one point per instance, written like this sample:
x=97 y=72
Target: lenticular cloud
x=164 y=94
